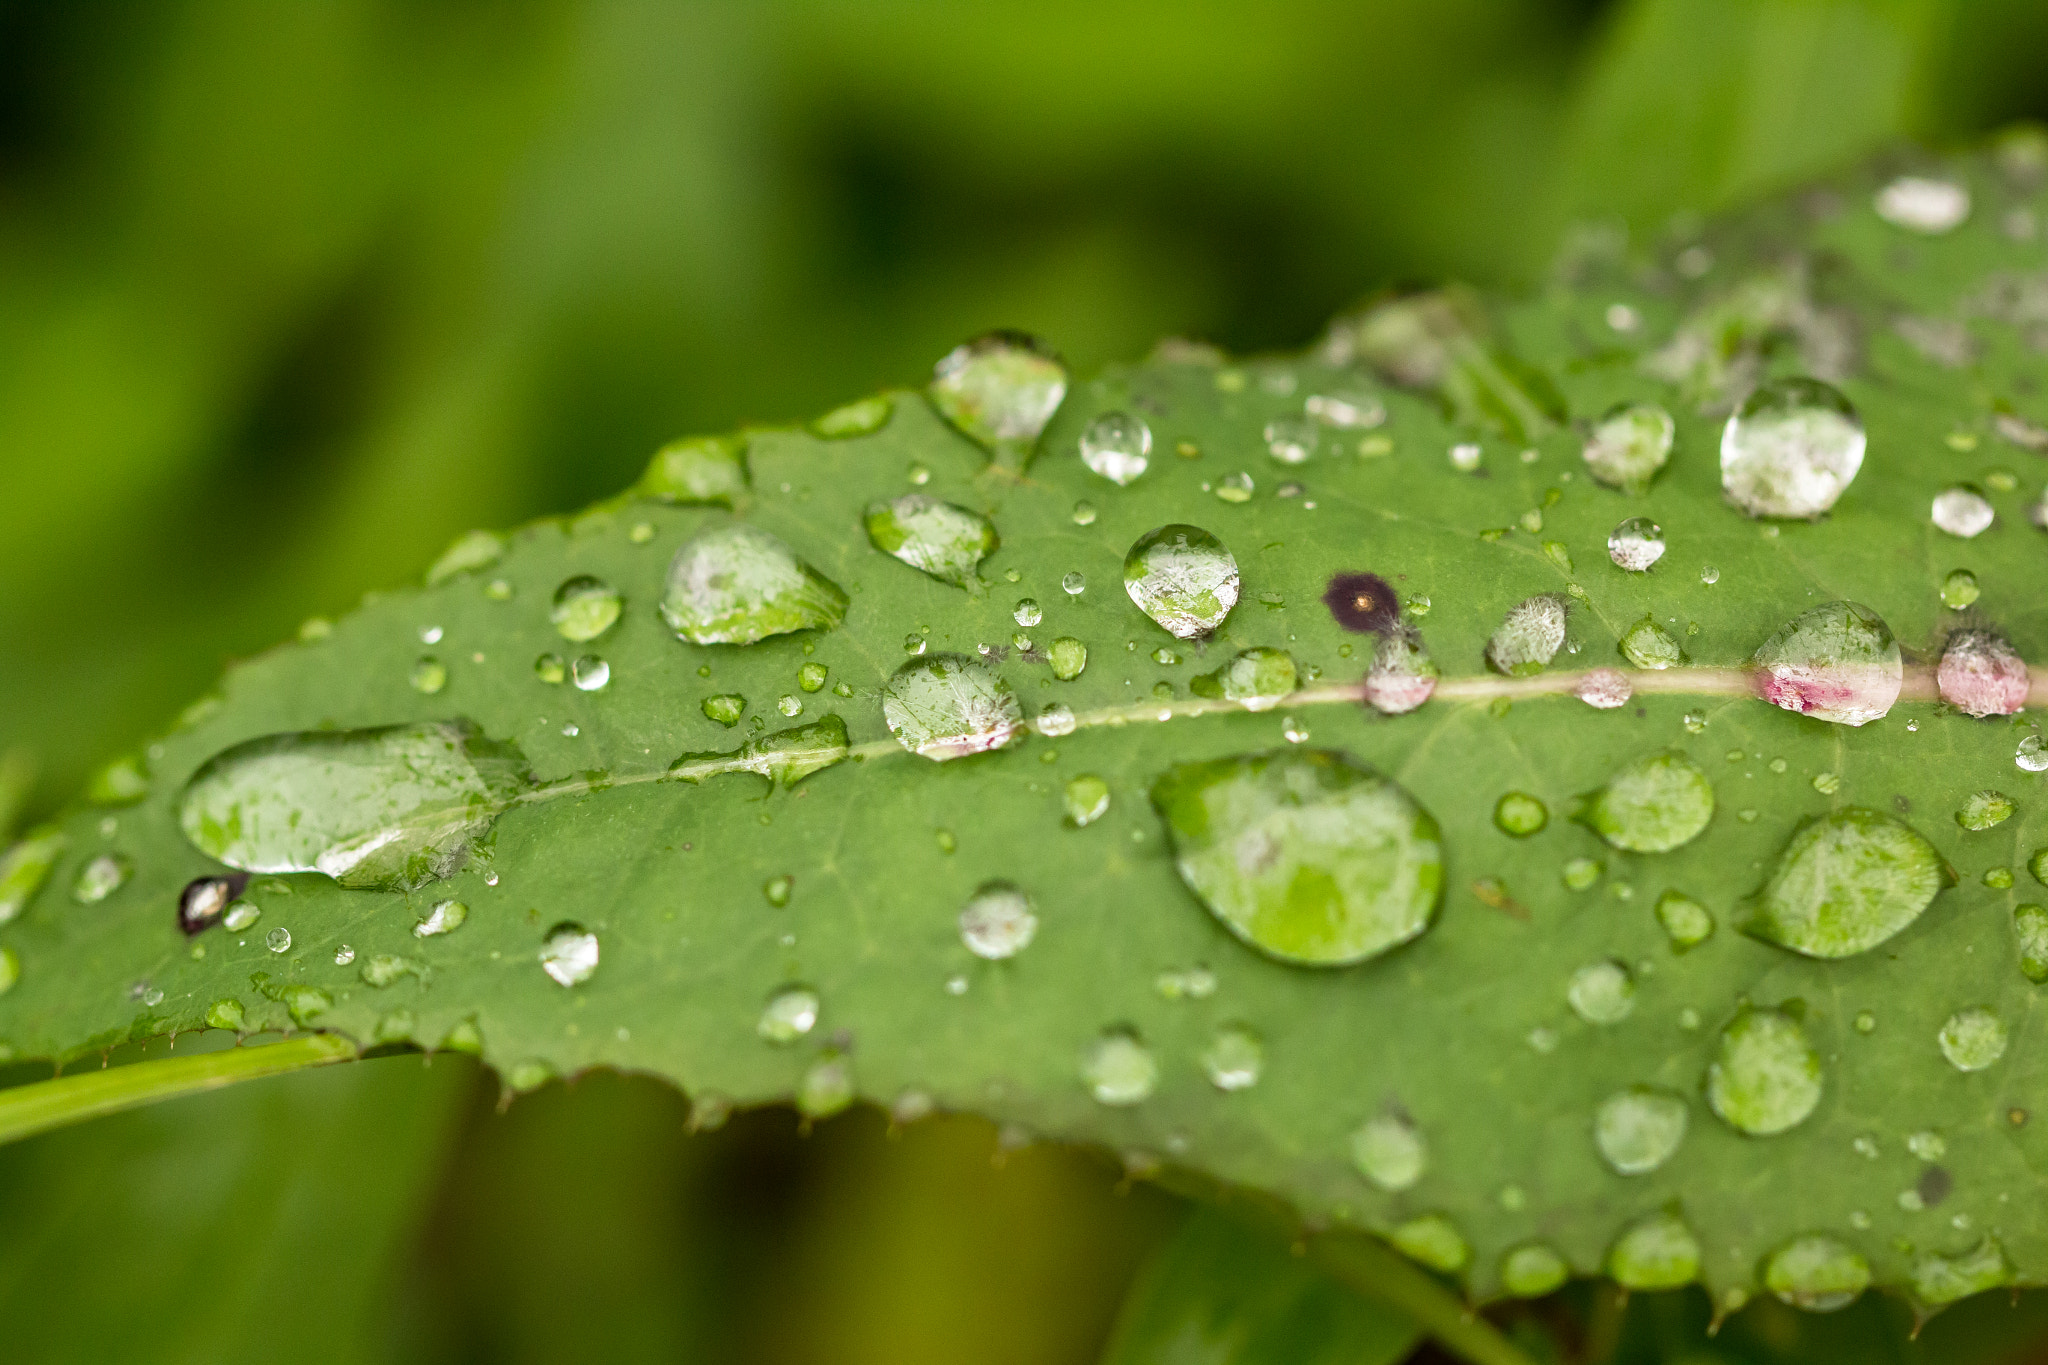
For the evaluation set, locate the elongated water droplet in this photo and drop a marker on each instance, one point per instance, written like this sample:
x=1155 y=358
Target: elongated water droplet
x=2030 y=923
x=1846 y=882
x=1816 y=1273
x=1260 y=678
x=1652 y=805
x=733 y=585
x=585 y=608
x=1765 y=1077
x=1980 y=674
x=1234 y=1058
x=1305 y=855
x=1636 y=544
x=1628 y=447
x=1085 y=799
x=100 y=878
x=862 y=417
x=783 y=757
x=1119 y=1069
x=1000 y=390
x=1939 y=1279
x=1520 y=815
x=1639 y=1129
x=1791 y=449
x=445 y=918
x=1984 y=810
x=383 y=969
x=1235 y=488
x=1402 y=676
x=1117 y=446
x=469 y=552
x=1973 y=1038
x=1390 y=1152
x=26 y=866
x=946 y=706
x=1837 y=662
x=1183 y=578
x=1434 y=1241
x=1921 y=204
x=790 y=1013
x=938 y=538
x=1529 y=638
x=697 y=470
x=240 y=915
x=1656 y=1252
x=998 y=922
x=569 y=954
x=1533 y=1270
x=1686 y=922
x=1648 y=645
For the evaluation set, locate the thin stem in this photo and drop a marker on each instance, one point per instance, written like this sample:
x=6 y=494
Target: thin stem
x=1385 y=1276
x=40 y=1106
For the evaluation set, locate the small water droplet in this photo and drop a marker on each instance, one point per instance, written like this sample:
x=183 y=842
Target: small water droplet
x=1068 y=657
x=1791 y=449
x=1000 y=390
x=1084 y=513
x=1816 y=1273
x=998 y=922
x=1291 y=440
x=1648 y=645
x=790 y=1014
x=1602 y=992
x=1086 y=800
x=1630 y=444
x=1695 y=723
x=1533 y=1270
x=696 y=471
x=937 y=538
x=1686 y=922
x=1973 y=1038
x=1389 y=1152
x=2032 y=755
x=1183 y=578
x=1964 y=513
x=1433 y=1241
x=100 y=878
x=1402 y=676
x=1604 y=689
x=1639 y=1129
x=1465 y=456
x=1520 y=815
x=429 y=675
x=1235 y=488
x=1959 y=589
x=1234 y=1058
x=1765 y=1077
x=1636 y=544
x=1117 y=446
x=278 y=940
x=585 y=608
x=1655 y=1252
x=589 y=673
x=470 y=551
x=445 y=918
x=1119 y=1069
x=1921 y=204
x=1581 y=873
x=827 y=1087
x=1293 y=731
x=862 y=417
x=344 y=955
x=569 y=954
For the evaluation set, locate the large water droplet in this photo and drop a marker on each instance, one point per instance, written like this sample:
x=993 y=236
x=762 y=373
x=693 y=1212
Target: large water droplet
x=1602 y=992
x=1922 y=204
x=1183 y=578
x=784 y=757
x=569 y=954
x=1402 y=676
x=1837 y=662
x=1636 y=544
x=26 y=866
x=943 y=540
x=1117 y=446
x=1945 y=1279
x=1973 y=1038
x=396 y=807
x=1980 y=674
x=1765 y=1077
x=1652 y=805
x=1985 y=810
x=1648 y=645
x=1260 y=678
x=1529 y=637
x=1304 y=854
x=789 y=1014
x=1638 y=1129
x=1628 y=447
x=1846 y=882
x=734 y=584
x=1816 y=1273
x=1533 y=1270
x=1118 y=1069
x=1234 y=1058
x=1000 y=390
x=998 y=922
x=585 y=608
x=1389 y=1152
x=945 y=706
x=1791 y=449
x=1657 y=1252
x=697 y=470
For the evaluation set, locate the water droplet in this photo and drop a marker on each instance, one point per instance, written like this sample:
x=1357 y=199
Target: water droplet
x=696 y=470
x=1000 y=390
x=1656 y=1252
x=226 y=1013
x=1434 y=1241
x=470 y=551
x=1234 y=1058
x=1529 y=637
x=1533 y=1270
x=1465 y=456
x=551 y=668
x=947 y=706
x=1602 y=992
x=789 y=705
x=862 y=417
x=344 y=955
x=429 y=675
x=1291 y=440
x=1973 y=1038
x=278 y=940
x=826 y=1088
x=998 y=922
x=1927 y=1144
x=735 y=584
x=790 y=1014
x=1604 y=689
x=1984 y=809
x=1652 y=805
x=1686 y=922
x=1259 y=678
x=2032 y=754
x=913 y=644
x=1307 y=856
x=1520 y=814
x=918 y=474
x=1057 y=720
x=934 y=537
x=1628 y=447
x=1695 y=723
x=1402 y=675
x=1074 y=584
x=1816 y=1273
x=1710 y=575
x=589 y=673
x=811 y=676
x=1293 y=730
x=1648 y=645
x=1183 y=578
x=1765 y=1077
x=1389 y=1152
x=2031 y=924
x=1846 y=882
x=1959 y=589
x=1791 y=449
x=1921 y=204
x=1117 y=446
x=1962 y=512
x=1027 y=613
x=1939 y=1280
x=1068 y=657
x=569 y=954
x=1086 y=799
x=1836 y=662
x=1352 y=408
x=240 y=915
x=445 y=918
x=1638 y=1129
x=122 y=782
x=1981 y=675
x=1636 y=544
x=726 y=708
x=1581 y=873
x=783 y=757
x=1084 y=513
x=1235 y=487
x=100 y=878
x=585 y=608
x=1118 y=1069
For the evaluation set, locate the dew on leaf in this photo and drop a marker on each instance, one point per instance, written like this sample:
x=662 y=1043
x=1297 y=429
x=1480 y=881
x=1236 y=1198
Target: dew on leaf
x=789 y=705
x=946 y=706
x=1962 y=512
x=934 y=537
x=569 y=954
x=1183 y=578
x=1653 y=805
x=1980 y=674
x=1290 y=440
x=1348 y=409
x=1791 y=449
x=1639 y=1129
x=585 y=608
x=1836 y=662
x=1235 y=487
x=1939 y=1280
x=790 y=1014
x=1056 y=721
x=590 y=673
x=1648 y=645
x=1465 y=456
x=1532 y=1270
x=1656 y=1252
x=1402 y=675
x=1765 y=1077
x=1117 y=446
x=1529 y=637
x=1635 y=544
x=735 y=584
x=240 y=915
x=826 y=1088
x=862 y=417
x=1119 y=1069
x=1260 y=678
x=998 y=922
x=1027 y=613
x=776 y=890
x=1846 y=882
x=1973 y=1038
x=551 y=668
x=811 y=676
x=2030 y=923
x=1074 y=584
x=2032 y=755
x=1959 y=589
x=122 y=782
x=101 y=877
x=783 y=757
x=1520 y=814
x=1985 y=809
x=1686 y=922
x=725 y=707
x=1581 y=873
x=226 y=1013
x=429 y=675
x=1390 y=1152
x=1816 y=1273
x=469 y=552
x=1922 y=204
x=1432 y=1240
x=1305 y=855
x=696 y=471
x=1000 y=390
x=445 y=918
x=1604 y=689
x=1630 y=444
x=25 y=866
x=278 y=940
x=1710 y=575
x=1927 y=1144
x=1999 y=877
x=1602 y=992
x=1085 y=799
x=1234 y=1058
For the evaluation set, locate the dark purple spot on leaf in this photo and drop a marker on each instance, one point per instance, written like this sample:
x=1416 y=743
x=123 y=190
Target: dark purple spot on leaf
x=204 y=898
x=1363 y=602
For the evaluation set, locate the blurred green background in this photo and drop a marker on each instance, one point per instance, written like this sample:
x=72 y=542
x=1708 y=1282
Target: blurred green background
x=291 y=293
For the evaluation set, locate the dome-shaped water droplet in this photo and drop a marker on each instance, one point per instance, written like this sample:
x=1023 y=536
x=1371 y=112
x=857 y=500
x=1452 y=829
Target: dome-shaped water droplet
x=2032 y=754
x=1000 y=390
x=1837 y=662
x=1118 y=1069
x=1816 y=1273
x=696 y=470
x=1260 y=678
x=1533 y=1270
x=1636 y=544
x=998 y=922
x=122 y=782
x=100 y=878
x=1520 y=814
x=789 y=1014
x=946 y=706
x=470 y=551
x=1602 y=992
x=429 y=675
x=826 y=1088
x=1056 y=720
x=1529 y=637
x=240 y=915
x=1628 y=447
x=1235 y=488
x=1117 y=446
x=1657 y=1252
x=1305 y=855
x=1922 y=204
x=1791 y=449
x=1291 y=440
x=1068 y=656
x=1434 y=1241
x=1389 y=1152
x=1234 y=1058
x=1402 y=676
x=1085 y=799
x=278 y=940
x=1183 y=578
x=1652 y=805
x=569 y=954
x=590 y=673
x=1980 y=674
x=862 y=417
x=26 y=866
x=938 y=538
x=1985 y=809
x=1962 y=512
x=585 y=608
x=1973 y=1038
x=445 y=918
x=1765 y=1077
x=1959 y=590
x=226 y=1013
x=1075 y=583
x=733 y=585
x=1351 y=407
x=1604 y=689
x=1938 y=1280
x=1638 y=1129
x=1686 y=922
x=1846 y=882
x=1648 y=645
x=1027 y=613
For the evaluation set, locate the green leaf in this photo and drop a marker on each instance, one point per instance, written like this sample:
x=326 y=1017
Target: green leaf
x=633 y=904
